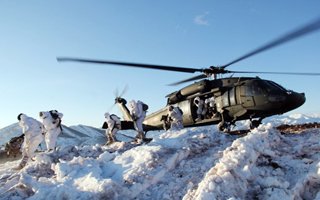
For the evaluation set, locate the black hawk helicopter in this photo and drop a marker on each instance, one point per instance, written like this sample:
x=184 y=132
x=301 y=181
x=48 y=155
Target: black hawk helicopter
x=235 y=98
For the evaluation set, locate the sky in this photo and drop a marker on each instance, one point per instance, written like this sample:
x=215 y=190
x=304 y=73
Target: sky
x=194 y=34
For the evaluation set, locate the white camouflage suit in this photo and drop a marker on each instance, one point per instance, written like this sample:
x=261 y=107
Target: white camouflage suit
x=114 y=124
x=138 y=114
x=52 y=128
x=32 y=130
x=176 y=117
x=201 y=110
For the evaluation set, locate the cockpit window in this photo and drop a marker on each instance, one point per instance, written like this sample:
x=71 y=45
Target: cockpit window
x=277 y=85
x=256 y=88
x=272 y=87
x=263 y=87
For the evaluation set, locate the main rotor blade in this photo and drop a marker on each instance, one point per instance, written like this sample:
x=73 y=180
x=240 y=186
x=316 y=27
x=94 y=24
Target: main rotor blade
x=202 y=76
x=306 y=29
x=128 y=64
x=283 y=73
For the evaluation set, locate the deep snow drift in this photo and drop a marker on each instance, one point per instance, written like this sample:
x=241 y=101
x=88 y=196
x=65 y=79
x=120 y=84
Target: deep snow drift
x=193 y=163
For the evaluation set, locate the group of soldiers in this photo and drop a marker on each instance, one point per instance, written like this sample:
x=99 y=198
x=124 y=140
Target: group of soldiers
x=206 y=108
x=138 y=111
x=173 y=120
x=35 y=132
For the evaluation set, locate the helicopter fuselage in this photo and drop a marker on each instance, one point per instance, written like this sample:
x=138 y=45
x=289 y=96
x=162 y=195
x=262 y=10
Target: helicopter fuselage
x=237 y=98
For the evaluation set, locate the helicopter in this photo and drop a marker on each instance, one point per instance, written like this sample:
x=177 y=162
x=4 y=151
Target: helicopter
x=235 y=98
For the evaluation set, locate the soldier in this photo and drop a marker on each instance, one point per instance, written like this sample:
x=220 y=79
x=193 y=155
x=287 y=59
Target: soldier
x=166 y=122
x=33 y=136
x=52 y=124
x=175 y=115
x=138 y=113
x=211 y=107
x=201 y=108
x=114 y=124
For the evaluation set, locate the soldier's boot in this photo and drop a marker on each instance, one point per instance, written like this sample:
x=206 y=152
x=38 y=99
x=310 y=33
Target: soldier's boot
x=110 y=139
x=141 y=135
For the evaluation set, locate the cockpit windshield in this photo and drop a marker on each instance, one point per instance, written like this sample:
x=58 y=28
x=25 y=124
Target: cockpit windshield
x=277 y=85
x=263 y=87
x=272 y=87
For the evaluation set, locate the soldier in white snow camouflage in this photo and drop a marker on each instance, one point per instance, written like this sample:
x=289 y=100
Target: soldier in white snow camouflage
x=114 y=124
x=52 y=123
x=175 y=116
x=138 y=113
x=33 y=136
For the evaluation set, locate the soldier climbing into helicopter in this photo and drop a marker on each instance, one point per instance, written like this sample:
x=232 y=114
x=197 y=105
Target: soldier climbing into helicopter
x=175 y=117
x=114 y=124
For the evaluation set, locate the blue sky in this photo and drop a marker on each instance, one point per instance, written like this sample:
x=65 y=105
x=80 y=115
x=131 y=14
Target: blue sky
x=169 y=32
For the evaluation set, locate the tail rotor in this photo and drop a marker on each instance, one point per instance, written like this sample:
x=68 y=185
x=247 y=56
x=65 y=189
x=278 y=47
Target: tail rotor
x=118 y=96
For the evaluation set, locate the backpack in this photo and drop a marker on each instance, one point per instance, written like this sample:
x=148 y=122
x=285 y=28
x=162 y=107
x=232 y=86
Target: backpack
x=115 y=118
x=144 y=107
x=59 y=124
x=55 y=116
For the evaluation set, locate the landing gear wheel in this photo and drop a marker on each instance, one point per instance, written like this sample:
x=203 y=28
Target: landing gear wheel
x=225 y=127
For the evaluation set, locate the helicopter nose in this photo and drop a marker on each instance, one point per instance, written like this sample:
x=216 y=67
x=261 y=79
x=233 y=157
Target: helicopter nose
x=295 y=100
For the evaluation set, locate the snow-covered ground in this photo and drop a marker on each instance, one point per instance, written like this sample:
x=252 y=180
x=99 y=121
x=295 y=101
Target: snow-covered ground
x=193 y=163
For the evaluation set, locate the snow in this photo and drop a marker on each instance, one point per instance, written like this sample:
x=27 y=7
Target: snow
x=193 y=163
